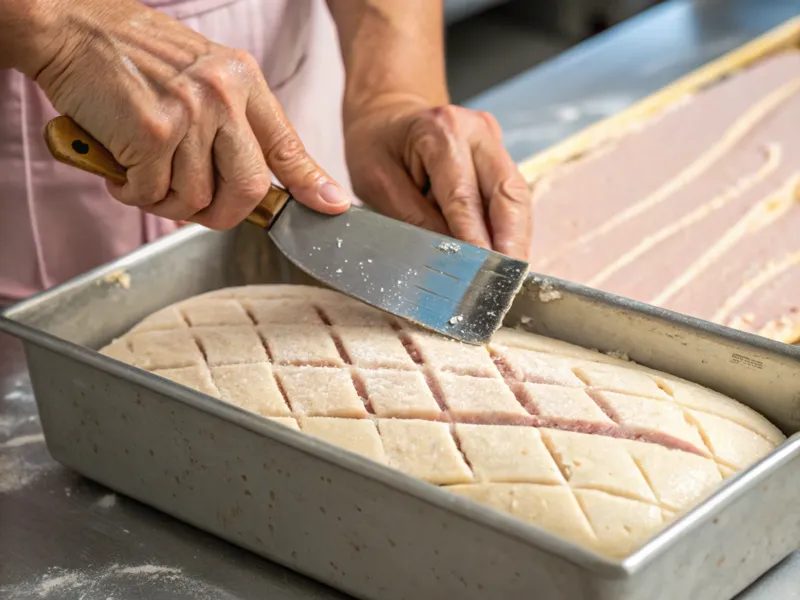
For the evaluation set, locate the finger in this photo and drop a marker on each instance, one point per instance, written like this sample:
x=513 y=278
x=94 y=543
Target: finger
x=491 y=124
x=455 y=187
x=396 y=196
x=419 y=177
x=146 y=183
x=510 y=202
x=192 y=187
x=288 y=159
x=149 y=176
x=242 y=177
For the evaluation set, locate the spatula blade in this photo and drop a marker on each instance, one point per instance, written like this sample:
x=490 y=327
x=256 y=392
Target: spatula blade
x=451 y=287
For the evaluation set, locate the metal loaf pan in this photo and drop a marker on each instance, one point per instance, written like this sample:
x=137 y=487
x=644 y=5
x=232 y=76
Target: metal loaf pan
x=357 y=525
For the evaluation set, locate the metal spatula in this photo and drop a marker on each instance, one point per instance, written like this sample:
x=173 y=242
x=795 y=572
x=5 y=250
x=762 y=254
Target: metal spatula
x=451 y=287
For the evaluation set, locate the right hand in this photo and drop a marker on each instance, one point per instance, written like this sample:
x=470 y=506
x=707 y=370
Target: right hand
x=194 y=122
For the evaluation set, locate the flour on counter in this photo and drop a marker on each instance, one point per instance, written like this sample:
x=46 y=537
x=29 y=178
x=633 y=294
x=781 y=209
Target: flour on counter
x=20 y=391
x=62 y=583
x=23 y=454
x=23 y=440
x=18 y=471
x=148 y=570
x=6 y=423
x=107 y=501
x=114 y=581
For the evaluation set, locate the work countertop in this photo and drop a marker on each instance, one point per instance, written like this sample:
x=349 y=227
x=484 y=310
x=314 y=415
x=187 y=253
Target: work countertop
x=64 y=537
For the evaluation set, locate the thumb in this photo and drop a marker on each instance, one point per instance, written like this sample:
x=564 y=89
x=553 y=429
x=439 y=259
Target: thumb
x=288 y=159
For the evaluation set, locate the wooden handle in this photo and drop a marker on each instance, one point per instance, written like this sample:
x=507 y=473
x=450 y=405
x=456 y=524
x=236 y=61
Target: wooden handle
x=70 y=144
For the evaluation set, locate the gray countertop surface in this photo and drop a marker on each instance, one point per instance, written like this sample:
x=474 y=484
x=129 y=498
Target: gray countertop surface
x=67 y=538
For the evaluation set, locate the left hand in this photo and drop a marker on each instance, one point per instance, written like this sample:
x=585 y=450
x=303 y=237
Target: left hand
x=398 y=146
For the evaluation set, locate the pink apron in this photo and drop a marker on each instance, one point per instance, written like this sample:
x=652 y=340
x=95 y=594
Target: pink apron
x=57 y=222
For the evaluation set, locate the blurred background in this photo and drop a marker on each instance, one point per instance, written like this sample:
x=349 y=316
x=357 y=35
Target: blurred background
x=489 y=41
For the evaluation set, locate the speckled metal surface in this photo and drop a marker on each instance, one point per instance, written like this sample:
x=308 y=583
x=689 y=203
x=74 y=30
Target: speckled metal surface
x=346 y=520
x=62 y=536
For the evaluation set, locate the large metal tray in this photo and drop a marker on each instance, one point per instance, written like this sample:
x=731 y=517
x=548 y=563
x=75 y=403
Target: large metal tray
x=357 y=525
x=782 y=38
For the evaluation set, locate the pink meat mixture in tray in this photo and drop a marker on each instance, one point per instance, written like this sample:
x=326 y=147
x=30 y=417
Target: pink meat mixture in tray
x=697 y=211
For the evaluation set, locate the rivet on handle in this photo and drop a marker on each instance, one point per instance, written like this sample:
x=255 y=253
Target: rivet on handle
x=80 y=147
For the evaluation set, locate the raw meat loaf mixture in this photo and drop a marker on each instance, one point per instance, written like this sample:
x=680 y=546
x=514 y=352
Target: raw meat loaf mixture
x=697 y=211
x=593 y=448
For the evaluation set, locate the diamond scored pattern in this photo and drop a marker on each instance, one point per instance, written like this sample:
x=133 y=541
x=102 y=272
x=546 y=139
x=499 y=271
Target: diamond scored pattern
x=592 y=448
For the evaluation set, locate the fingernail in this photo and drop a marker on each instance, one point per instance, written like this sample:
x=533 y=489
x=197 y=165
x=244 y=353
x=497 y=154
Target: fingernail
x=333 y=194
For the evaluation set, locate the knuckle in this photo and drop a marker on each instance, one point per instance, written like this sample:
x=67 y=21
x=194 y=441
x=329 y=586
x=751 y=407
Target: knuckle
x=462 y=199
x=187 y=99
x=220 y=77
x=287 y=151
x=486 y=116
x=446 y=117
x=490 y=121
x=252 y=189
x=213 y=79
x=147 y=196
x=446 y=112
x=244 y=63
x=197 y=201
x=515 y=190
x=157 y=129
x=428 y=142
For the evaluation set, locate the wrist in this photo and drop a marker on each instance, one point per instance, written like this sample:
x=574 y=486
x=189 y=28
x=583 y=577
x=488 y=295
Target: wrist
x=391 y=49
x=391 y=100
x=32 y=33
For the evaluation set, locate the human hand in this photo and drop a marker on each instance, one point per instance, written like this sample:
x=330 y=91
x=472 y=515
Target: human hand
x=399 y=145
x=194 y=123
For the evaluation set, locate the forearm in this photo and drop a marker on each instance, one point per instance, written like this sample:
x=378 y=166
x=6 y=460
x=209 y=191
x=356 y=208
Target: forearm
x=391 y=48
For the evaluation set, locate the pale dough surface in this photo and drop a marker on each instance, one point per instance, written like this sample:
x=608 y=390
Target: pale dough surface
x=598 y=450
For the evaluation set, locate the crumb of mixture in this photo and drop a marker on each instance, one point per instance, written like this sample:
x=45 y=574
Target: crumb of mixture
x=448 y=247
x=547 y=293
x=120 y=277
